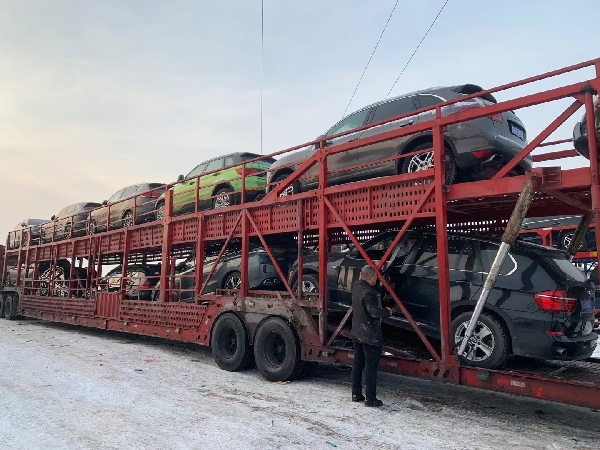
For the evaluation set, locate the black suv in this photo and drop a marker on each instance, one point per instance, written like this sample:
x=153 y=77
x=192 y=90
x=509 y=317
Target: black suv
x=540 y=307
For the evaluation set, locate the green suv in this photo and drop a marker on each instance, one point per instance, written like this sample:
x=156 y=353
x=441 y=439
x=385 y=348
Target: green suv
x=218 y=189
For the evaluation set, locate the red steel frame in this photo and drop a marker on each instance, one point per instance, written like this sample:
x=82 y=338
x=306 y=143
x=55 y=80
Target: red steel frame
x=398 y=202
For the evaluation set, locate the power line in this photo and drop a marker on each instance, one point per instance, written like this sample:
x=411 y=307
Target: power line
x=262 y=40
x=411 y=57
x=369 y=62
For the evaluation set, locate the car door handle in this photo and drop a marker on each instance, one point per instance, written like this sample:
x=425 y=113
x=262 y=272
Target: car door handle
x=407 y=123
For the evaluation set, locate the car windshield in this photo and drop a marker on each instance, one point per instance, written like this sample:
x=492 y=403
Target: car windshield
x=197 y=170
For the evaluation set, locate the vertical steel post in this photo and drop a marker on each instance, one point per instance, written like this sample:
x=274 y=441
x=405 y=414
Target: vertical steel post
x=166 y=246
x=593 y=152
x=199 y=257
x=124 y=264
x=245 y=253
x=323 y=254
x=300 y=247
x=441 y=226
x=508 y=238
x=245 y=237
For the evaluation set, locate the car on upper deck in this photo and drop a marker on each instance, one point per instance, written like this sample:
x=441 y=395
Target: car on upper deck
x=580 y=132
x=220 y=183
x=476 y=149
x=20 y=233
x=128 y=206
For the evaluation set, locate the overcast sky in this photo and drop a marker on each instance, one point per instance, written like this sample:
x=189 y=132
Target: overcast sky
x=96 y=95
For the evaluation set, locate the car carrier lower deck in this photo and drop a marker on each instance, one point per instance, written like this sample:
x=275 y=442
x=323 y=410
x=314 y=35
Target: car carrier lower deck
x=327 y=216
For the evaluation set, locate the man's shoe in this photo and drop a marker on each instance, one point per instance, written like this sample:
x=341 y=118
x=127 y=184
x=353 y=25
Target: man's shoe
x=358 y=398
x=374 y=403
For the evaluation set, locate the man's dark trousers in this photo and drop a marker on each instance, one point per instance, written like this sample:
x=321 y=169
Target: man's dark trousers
x=365 y=357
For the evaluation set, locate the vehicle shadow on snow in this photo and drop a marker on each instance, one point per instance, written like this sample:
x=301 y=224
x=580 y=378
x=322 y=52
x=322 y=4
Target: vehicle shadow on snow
x=398 y=392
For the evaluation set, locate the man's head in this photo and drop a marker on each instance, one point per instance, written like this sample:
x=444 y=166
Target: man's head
x=368 y=274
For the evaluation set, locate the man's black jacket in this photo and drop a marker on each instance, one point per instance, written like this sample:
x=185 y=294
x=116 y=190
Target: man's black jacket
x=367 y=314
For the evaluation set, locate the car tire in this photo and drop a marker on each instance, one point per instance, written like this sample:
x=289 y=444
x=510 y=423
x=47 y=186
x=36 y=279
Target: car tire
x=497 y=340
x=233 y=279
x=224 y=198
x=229 y=343
x=565 y=238
x=277 y=350
x=127 y=220
x=308 y=280
x=292 y=189
x=160 y=211
x=417 y=163
x=93 y=227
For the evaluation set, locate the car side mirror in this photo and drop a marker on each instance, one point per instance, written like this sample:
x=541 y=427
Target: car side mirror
x=53 y=218
x=23 y=224
x=180 y=177
x=104 y=202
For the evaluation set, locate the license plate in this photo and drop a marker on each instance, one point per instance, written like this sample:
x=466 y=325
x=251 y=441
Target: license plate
x=517 y=131
x=586 y=304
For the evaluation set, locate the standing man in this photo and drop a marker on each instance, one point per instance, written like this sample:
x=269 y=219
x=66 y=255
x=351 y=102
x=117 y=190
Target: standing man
x=366 y=336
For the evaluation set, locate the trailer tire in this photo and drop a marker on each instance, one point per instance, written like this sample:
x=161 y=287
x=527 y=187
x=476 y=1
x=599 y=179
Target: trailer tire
x=277 y=350
x=229 y=343
x=10 y=307
x=1 y=306
x=499 y=339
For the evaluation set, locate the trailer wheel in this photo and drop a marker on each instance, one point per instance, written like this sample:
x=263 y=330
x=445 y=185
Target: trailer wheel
x=492 y=348
x=10 y=307
x=1 y=306
x=229 y=342
x=277 y=350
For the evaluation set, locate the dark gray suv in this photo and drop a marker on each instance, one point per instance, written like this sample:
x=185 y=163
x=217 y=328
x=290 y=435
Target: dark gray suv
x=477 y=149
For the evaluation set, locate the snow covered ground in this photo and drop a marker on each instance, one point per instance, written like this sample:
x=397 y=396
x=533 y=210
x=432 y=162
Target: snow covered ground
x=64 y=387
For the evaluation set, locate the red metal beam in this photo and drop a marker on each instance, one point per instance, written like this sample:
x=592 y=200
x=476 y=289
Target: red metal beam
x=441 y=226
x=555 y=155
x=243 y=212
x=572 y=109
x=383 y=281
x=282 y=275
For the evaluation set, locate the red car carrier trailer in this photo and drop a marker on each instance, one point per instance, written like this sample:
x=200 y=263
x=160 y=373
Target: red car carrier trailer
x=288 y=331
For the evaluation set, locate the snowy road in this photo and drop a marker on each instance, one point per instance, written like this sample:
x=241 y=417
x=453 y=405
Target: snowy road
x=63 y=387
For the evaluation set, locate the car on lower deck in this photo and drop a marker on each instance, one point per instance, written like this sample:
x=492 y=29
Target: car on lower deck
x=140 y=281
x=561 y=237
x=262 y=274
x=476 y=149
x=540 y=307
x=128 y=206
x=221 y=185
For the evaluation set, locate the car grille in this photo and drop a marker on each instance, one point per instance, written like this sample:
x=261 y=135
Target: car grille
x=597 y=302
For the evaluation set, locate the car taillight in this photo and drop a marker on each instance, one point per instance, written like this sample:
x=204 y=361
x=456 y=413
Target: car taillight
x=482 y=153
x=495 y=117
x=555 y=301
x=151 y=194
x=249 y=171
x=145 y=285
